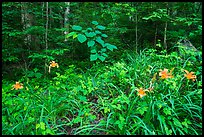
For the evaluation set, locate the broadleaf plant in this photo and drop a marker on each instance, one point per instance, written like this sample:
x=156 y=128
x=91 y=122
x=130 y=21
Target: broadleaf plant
x=94 y=38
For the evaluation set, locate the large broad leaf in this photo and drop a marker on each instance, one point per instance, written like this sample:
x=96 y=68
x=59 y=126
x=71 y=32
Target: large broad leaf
x=93 y=51
x=94 y=22
x=101 y=27
x=75 y=27
x=101 y=58
x=90 y=34
x=104 y=35
x=110 y=46
x=93 y=57
x=97 y=32
x=82 y=38
x=90 y=43
x=70 y=34
x=104 y=54
x=103 y=50
x=99 y=40
x=89 y=29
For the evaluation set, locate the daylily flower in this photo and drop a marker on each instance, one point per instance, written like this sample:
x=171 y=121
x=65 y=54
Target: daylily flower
x=53 y=64
x=164 y=73
x=17 y=86
x=190 y=75
x=141 y=92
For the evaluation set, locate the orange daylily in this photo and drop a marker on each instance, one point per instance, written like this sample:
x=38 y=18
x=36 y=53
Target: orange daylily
x=141 y=92
x=164 y=73
x=53 y=64
x=190 y=75
x=17 y=86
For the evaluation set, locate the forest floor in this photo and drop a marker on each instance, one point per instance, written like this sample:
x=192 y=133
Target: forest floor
x=140 y=94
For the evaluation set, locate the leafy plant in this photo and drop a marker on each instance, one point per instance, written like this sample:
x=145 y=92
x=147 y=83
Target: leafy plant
x=94 y=38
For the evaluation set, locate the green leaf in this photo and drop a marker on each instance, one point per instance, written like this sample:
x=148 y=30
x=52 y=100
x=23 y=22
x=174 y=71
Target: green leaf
x=92 y=117
x=167 y=111
x=141 y=110
x=90 y=34
x=37 y=126
x=185 y=124
x=77 y=119
x=121 y=118
x=81 y=38
x=75 y=27
x=74 y=36
x=104 y=54
x=97 y=32
x=103 y=50
x=35 y=69
x=99 y=40
x=38 y=75
x=42 y=125
x=177 y=122
x=104 y=35
x=90 y=43
x=110 y=46
x=106 y=110
x=120 y=122
x=70 y=34
x=82 y=98
x=94 y=22
x=101 y=27
x=101 y=58
x=31 y=119
x=31 y=74
x=90 y=29
x=93 y=57
x=93 y=51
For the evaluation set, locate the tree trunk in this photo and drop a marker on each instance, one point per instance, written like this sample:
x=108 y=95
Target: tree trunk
x=66 y=20
x=165 y=29
x=136 y=36
x=26 y=20
x=46 y=33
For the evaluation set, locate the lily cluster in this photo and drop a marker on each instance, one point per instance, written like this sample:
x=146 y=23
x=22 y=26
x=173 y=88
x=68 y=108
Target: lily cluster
x=164 y=74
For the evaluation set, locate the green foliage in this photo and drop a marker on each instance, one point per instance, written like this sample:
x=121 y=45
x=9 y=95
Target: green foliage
x=82 y=98
x=95 y=41
x=106 y=100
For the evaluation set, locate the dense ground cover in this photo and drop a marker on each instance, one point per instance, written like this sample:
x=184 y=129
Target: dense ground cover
x=146 y=93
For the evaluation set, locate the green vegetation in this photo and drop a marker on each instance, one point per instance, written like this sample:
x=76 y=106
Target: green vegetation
x=95 y=36
x=149 y=84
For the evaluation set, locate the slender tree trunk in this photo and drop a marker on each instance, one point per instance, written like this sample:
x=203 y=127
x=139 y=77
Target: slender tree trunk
x=26 y=20
x=165 y=29
x=43 y=6
x=66 y=19
x=136 y=36
x=46 y=33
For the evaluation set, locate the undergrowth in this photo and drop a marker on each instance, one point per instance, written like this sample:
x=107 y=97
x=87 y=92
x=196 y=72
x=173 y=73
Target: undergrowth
x=104 y=99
